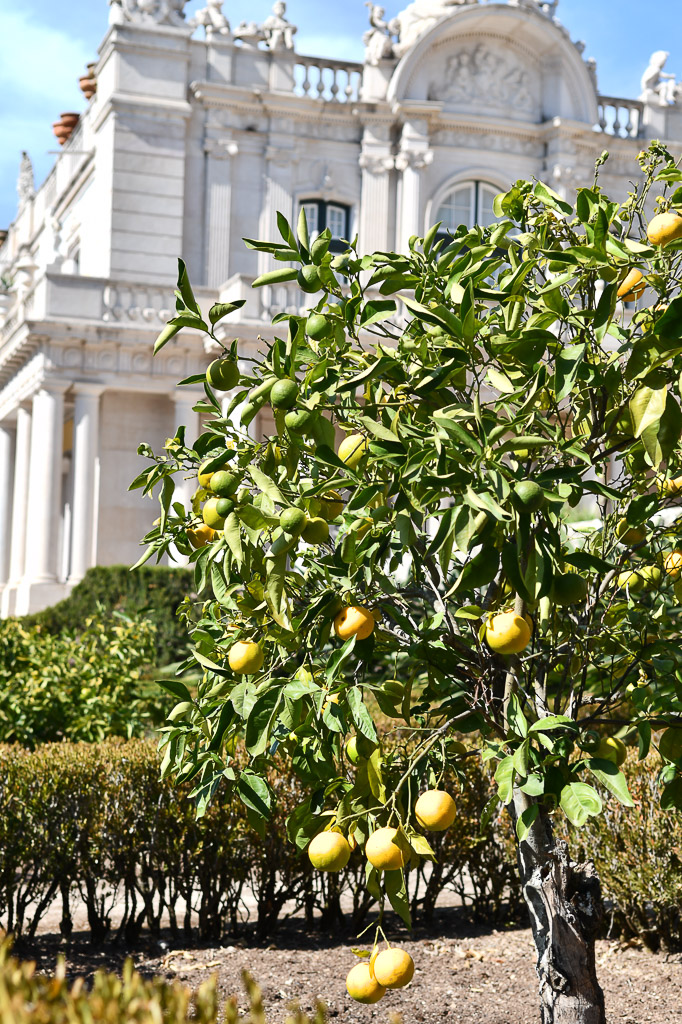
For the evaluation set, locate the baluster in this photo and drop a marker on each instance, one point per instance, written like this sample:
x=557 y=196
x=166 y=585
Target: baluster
x=334 y=86
x=629 y=126
x=616 y=121
x=602 y=117
x=321 y=83
x=349 y=90
x=306 y=80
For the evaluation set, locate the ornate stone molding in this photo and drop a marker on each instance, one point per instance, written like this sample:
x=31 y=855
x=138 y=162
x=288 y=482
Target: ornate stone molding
x=414 y=159
x=148 y=12
x=377 y=164
x=221 y=149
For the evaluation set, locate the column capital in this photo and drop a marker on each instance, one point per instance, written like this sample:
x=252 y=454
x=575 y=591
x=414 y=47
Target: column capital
x=88 y=387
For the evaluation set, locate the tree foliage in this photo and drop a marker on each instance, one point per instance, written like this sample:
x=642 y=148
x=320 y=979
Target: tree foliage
x=519 y=433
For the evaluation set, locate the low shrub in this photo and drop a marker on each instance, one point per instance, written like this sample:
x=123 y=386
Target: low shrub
x=27 y=998
x=151 y=592
x=81 y=685
x=97 y=820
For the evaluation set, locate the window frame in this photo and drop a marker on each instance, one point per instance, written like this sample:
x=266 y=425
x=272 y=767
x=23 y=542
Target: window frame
x=478 y=183
x=323 y=206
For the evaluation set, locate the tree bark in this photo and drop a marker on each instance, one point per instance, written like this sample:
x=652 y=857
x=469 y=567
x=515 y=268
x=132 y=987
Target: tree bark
x=564 y=902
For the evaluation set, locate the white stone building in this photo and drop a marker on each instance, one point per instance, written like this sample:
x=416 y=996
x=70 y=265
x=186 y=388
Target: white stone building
x=199 y=132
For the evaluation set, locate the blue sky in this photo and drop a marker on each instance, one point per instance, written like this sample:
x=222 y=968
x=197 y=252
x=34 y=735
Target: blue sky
x=46 y=44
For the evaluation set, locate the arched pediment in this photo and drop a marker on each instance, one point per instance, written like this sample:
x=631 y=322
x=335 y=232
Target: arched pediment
x=498 y=61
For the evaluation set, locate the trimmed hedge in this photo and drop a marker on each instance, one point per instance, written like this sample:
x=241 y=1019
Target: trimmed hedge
x=97 y=820
x=151 y=592
x=27 y=998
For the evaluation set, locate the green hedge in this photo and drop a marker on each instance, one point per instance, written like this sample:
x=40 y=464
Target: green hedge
x=82 y=685
x=98 y=820
x=27 y=998
x=151 y=592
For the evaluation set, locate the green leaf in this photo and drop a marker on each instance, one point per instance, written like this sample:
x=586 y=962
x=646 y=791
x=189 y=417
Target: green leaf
x=169 y=331
x=233 y=538
x=568 y=362
x=276 y=277
x=550 y=198
x=185 y=289
x=176 y=687
x=362 y=720
x=275 y=594
x=516 y=718
x=375 y=776
x=375 y=311
x=525 y=821
x=221 y=309
x=579 y=802
x=266 y=485
x=504 y=777
x=647 y=406
x=612 y=778
x=394 y=881
x=261 y=719
x=553 y=722
x=254 y=793
x=521 y=759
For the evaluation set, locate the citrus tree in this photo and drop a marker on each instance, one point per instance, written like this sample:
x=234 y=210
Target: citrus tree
x=490 y=552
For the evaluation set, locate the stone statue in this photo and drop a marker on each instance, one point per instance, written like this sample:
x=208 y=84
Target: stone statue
x=421 y=15
x=279 y=33
x=250 y=33
x=148 y=12
x=378 y=39
x=212 y=19
x=659 y=86
x=26 y=186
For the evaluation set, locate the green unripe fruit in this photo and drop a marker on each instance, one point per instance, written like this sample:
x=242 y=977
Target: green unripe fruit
x=309 y=279
x=632 y=580
x=528 y=496
x=612 y=749
x=630 y=534
x=359 y=748
x=670 y=744
x=293 y=521
x=211 y=516
x=317 y=326
x=651 y=575
x=224 y=483
x=589 y=741
x=340 y=263
x=393 y=690
x=569 y=588
x=224 y=506
x=284 y=394
x=300 y=421
x=316 y=531
x=223 y=374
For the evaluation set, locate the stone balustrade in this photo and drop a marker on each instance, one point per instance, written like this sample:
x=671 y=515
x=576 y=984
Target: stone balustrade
x=335 y=81
x=620 y=117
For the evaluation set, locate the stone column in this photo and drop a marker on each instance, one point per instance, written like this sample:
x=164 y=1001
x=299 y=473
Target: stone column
x=377 y=227
x=39 y=586
x=85 y=456
x=413 y=157
x=6 y=474
x=219 y=154
x=280 y=161
x=22 y=451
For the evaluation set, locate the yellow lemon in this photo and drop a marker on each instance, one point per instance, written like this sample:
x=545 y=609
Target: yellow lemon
x=353 y=449
x=673 y=564
x=435 y=810
x=664 y=228
x=627 y=534
x=211 y=516
x=200 y=536
x=507 y=633
x=331 y=505
x=394 y=968
x=353 y=620
x=363 y=986
x=329 y=851
x=632 y=286
x=383 y=852
x=673 y=486
x=245 y=657
x=612 y=749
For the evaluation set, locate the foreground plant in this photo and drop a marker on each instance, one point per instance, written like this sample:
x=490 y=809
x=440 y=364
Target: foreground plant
x=426 y=568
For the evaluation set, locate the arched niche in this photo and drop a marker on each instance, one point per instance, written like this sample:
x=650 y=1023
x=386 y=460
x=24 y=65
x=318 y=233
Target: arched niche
x=497 y=61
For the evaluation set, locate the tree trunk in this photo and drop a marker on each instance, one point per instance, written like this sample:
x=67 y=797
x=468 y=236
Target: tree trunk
x=564 y=901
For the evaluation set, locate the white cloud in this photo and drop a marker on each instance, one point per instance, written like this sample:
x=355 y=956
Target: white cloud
x=39 y=73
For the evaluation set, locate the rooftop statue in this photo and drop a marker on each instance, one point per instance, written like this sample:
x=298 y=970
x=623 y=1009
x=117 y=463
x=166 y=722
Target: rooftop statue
x=26 y=187
x=279 y=33
x=659 y=86
x=378 y=39
x=212 y=19
x=148 y=12
x=422 y=15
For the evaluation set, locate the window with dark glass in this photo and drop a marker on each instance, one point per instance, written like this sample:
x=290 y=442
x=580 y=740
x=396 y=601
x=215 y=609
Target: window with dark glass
x=321 y=214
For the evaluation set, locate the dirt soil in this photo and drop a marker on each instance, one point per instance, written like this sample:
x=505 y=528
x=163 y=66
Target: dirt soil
x=464 y=976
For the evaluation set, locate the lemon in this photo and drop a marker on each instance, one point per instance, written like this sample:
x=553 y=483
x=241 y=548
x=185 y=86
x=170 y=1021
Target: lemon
x=670 y=744
x=393 y=690
x=363 y=986
x=664 y=228
x=673 y=564
x=627 y=534
x=211 y=515
x=245 y=657
x=309 y=279
x=672 y=487
x=293 y=521
x=353 y=620
x=394 y=968
x=317 y=326
x=507 y=633
x=284 y=394
x=353 y=449
x=223 y=374
x=331 y=505
x=329 y=851
x=632 y=287
x=200 y=536
x=359 y=748
x=528 y=496
x=631 y=579
x=383 y=852
x=612 y=749
x=435 y=810
x=300 y=421
x=316 y=531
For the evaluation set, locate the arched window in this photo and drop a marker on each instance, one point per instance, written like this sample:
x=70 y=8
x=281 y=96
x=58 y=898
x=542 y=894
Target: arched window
x=469 y=203
x=335 y=216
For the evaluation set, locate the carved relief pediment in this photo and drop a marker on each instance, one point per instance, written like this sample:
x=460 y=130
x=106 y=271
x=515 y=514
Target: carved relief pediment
x=488 y=79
